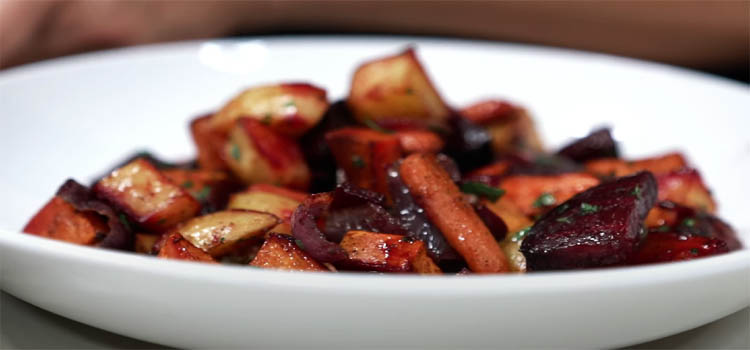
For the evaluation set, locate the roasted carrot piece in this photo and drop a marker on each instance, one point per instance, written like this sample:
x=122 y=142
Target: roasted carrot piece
x=365 y=155
x=618 y=167
x=433 y=189
x=147 y=196
x=281 y=252
x=208 y=143
x=59 y=220
x=419 y=141
x=532 y=194
x=387 y=253
x=175 y=246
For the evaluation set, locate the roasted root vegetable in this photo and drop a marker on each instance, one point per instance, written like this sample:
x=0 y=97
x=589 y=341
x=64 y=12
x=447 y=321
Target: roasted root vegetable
x=209 y=187
x=59 y=220
x=282 y=253
x=608 y=167
x=510 y=127
x=288 y=109
x=364 y=154
x=419 y=141
x=269 y=199
x=671 y=246
x=396 y=89
x=174 y=246
x=208 y=143
x=597 y=144
x=685 y=187
x=598 y=227
x=145 y=242
x=217 y=233
x=384 y=252
x=535 y=194
x=147 y=196
x=435 y=191
x=257 y=154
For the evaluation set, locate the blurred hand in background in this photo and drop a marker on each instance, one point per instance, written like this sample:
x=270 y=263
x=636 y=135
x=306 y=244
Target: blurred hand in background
x=707 y=35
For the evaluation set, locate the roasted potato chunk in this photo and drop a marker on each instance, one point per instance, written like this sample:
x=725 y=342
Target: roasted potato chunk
x=256 y=154
x=268 y=202
x=59 y=220
x=396 y=89
x=534 y=194
x=434 y=190
x=174 y=246
x=281 y=191
x=281 y=252
x=145 y=242
x=217 y=233
x=607 y=167
x=386 y=253
x=686 y=187
x=147 y=196
x=510 y=127
x=365 y=156
x=518 y=223
x=210 y=187
x=208 y=143
x=288 y=109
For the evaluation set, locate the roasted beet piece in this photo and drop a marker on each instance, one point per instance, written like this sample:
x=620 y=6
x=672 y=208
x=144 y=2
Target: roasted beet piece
x=598 y=144
x=305 y=229
x=354 y=208
x=415 y=221
x=492 y=221
x=315 y=149
x=598 y=227
x=120 y=235
x=688 y=221
x=468 y=143
x=673 y=246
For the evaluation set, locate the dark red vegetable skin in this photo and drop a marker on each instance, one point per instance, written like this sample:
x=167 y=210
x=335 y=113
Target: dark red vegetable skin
x=597 y=144
x=83 y=199
x=468 y=143
x=569 y=238
x=674 y=246
x=315 y=149
x=415 y=221
x=494 y=223
x=703 y=224
x=305 y=229
x=354 y=208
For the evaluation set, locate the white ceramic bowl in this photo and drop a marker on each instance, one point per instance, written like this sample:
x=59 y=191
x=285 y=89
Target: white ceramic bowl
x=73 y=117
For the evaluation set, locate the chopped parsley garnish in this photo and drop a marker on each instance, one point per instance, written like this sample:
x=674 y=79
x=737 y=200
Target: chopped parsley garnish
x=637 y=191
x=482 y=190
x=589 y=208
x=267 y=119
x=663 y=228
x=689 y=222
x=125 y=222
x=358 y=162
x=564 y=219
x=299 y=243
x=203 y=194
x=694 y=251
x=520 y=234
x=235 y=151
x=544 y=200
x=374 y=126
x=187 y=184
x=290 y=104
x=222 y=240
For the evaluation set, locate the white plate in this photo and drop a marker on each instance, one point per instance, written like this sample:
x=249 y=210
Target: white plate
x=76 y=116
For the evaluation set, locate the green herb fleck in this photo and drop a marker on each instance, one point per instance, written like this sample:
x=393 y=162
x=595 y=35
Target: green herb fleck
x=438 y=130
x=125 y=222
x=358 y=162
x=689 y=222
x=637 y=191
x=235 y=152
x=694 y=251
x=187 y=184
x=222 y=240
x=162 y=221
x=663 y=228
x=589 y=208
x=544 y=200
x=374 y=126
x=564 y=219
x=520 y=234
x=267 y=119
x=299 y=243
x=203 y=194
x=409 y=91
x=482 y=190
x=290 y=103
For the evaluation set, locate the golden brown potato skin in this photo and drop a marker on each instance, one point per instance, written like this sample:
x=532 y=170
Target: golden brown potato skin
x=396 y=89
x=281 y=252
x=447 y=208
x=147 y=196
x=59 y=220
x=387 y=253
x=174 y=246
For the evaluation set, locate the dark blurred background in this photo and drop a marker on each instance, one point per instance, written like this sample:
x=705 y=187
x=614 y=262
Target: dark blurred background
x=712 y=36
